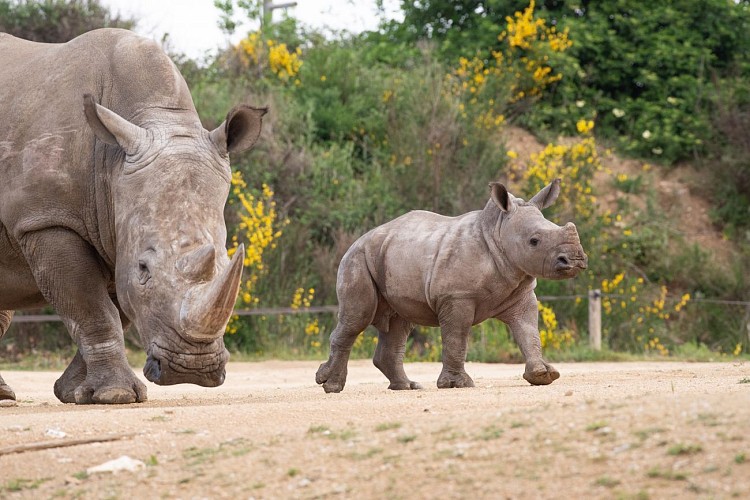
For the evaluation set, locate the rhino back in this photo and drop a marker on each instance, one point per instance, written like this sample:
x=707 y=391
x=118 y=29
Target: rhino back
x=125 y=72
x=421 y=259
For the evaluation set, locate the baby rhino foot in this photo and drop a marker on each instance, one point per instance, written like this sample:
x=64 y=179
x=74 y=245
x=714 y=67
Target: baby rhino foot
x=540 y=373
x=329 y=379
x=449 y=380
x=405 y=386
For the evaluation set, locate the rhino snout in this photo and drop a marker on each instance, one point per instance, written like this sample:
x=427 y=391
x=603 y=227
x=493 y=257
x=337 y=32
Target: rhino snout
x=566 y=262
x=207 y=367
x=152 y=369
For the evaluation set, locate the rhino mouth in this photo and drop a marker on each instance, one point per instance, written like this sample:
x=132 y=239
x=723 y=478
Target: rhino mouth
x=167 y=367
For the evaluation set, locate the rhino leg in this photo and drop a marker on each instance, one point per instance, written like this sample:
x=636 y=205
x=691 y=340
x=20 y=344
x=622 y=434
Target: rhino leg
x=5 y=391
x=358 y=300
x=455 y=326
x=389 y=354
x=78 y=291
x=523 y=321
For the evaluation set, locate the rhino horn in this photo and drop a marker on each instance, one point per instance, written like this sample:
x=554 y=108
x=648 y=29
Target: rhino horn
x=198 y=265
x=206 y=309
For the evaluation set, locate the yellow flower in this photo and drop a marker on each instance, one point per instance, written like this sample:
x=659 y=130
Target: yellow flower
x=584 y=126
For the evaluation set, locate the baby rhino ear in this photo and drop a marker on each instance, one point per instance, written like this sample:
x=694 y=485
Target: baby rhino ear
x=547 y=195
x=501 y=196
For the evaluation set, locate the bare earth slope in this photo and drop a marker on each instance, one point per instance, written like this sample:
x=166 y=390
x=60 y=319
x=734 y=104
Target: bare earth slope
x=604 y=430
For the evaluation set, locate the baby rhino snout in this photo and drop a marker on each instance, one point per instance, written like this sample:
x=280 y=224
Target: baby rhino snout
x=572 y=259
x=572 y=255
x=568 y=260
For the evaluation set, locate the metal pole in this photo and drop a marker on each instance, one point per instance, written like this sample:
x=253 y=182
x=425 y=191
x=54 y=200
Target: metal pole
x=269 y=7
x=595 y=319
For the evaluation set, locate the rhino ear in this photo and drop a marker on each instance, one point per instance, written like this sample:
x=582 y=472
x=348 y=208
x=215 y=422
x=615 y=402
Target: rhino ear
x=501 y=196
x=240 y=130
x=547 y=195
x=111 y=128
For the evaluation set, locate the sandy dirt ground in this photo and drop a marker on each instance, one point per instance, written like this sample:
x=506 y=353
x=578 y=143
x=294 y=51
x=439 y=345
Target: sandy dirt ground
x=603 y=430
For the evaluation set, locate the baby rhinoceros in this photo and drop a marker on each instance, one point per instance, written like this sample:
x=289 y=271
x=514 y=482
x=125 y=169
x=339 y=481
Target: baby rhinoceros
x=453 y=272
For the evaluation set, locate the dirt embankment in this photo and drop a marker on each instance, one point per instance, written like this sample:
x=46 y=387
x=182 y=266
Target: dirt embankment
x=603 y=430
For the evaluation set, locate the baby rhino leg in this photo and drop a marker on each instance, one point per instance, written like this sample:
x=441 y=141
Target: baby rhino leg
x=5 y=391
x=357 y=303
x=389 y=354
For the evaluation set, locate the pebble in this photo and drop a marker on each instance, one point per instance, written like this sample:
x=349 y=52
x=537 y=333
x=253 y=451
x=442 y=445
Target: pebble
x=124 y=463
x=55 y=433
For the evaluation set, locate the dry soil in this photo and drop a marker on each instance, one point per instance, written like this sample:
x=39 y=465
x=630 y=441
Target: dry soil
x=603 y=430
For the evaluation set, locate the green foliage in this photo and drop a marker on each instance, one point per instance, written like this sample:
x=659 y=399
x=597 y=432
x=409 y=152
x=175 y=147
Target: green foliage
x=458 y=28
x=646 y=68
x=54 y=21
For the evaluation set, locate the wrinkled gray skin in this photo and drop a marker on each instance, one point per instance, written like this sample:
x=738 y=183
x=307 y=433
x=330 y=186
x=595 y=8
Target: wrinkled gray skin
x=453 y=272
x=113 y=212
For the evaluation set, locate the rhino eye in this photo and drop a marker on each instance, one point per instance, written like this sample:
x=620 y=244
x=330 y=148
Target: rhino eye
x=143 y=272
x=534 y=242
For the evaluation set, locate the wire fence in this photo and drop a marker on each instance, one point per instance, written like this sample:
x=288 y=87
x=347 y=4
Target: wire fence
x=282 y=311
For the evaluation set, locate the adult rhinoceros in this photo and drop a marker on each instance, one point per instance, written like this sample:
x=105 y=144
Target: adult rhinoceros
x=453 y=272
x=113 y=212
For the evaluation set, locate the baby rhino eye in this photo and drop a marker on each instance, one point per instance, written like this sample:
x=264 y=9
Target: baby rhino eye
x=534 y=242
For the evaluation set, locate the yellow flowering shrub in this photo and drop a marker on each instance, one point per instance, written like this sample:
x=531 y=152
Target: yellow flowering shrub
x=639 y=315
x=254 y=53
x=524 y=30
x=250 y=48
x=551 y=336
x=259 y=228
x=283 y=63
x=302 y=298
x=521 y=69
x=576 y=164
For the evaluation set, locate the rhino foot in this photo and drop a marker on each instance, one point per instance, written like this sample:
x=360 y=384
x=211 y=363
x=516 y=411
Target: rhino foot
x=405 y=386
x=129 y=392
x=450 y=380
x=540 y=373
x=329 y=379
x=112 y=389
x=73 y=376
x=6 y=392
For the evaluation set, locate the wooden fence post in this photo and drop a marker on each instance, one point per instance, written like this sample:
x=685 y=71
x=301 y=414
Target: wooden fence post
x=595 y=319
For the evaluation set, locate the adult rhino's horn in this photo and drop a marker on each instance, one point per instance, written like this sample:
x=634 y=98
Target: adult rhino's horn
x=199 y=264
x=206 y=309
